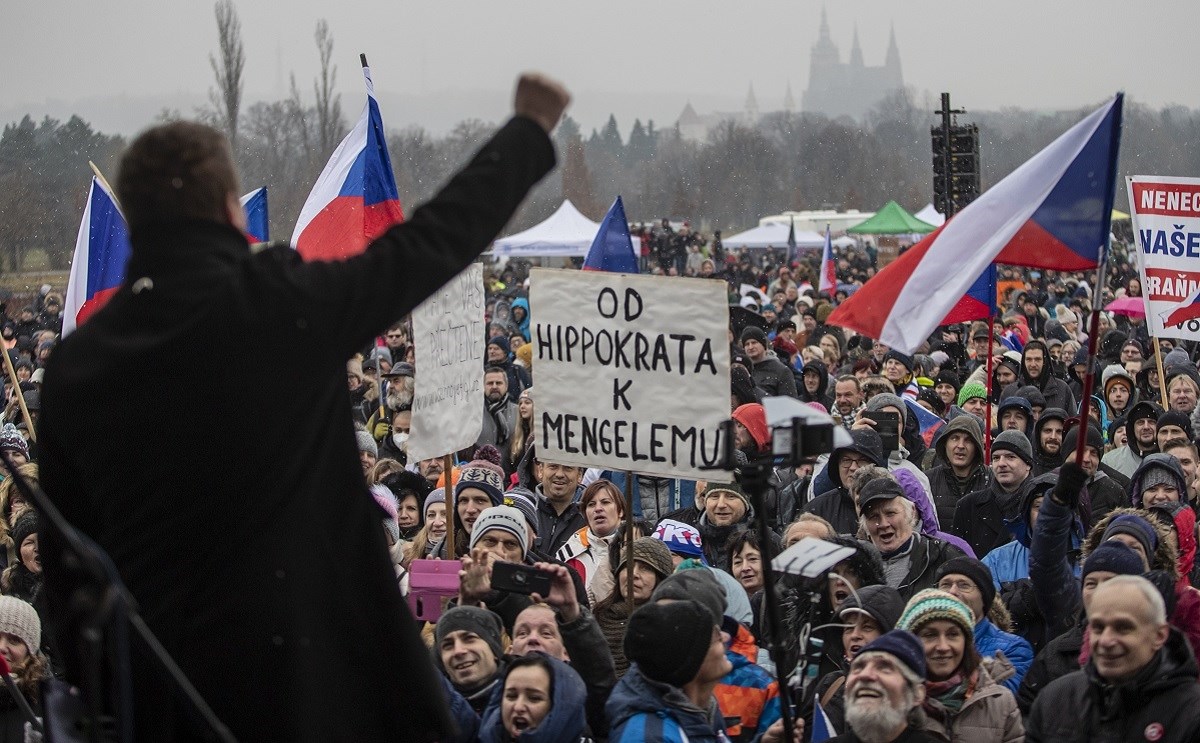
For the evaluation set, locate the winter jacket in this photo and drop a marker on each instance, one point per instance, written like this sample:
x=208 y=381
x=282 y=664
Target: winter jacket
x=1057 y=659
x=499 y=422
x=590 y=657
x=554 y=528
x=1056 y=391
x=947 y=488
x=716 y=539
x=565 y=722
x=587 y=555
x=523 y=325
x=835 y=505
x=928 y=554
x=990 y=639
x=982 y=516
x=911 y=487
x=747 y=692
x=822 y=395
x=773 y=376
x=655 y=497
x=1123 y=459
x=644 y=711
x=1162 y=703
x=989 y=714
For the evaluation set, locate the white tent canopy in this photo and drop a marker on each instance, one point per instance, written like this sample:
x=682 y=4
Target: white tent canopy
x=775 y=235
x=931 y=216
x=566 y=232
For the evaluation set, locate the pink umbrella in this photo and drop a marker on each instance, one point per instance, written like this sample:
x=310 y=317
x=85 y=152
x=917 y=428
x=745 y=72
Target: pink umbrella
x=1128 y=306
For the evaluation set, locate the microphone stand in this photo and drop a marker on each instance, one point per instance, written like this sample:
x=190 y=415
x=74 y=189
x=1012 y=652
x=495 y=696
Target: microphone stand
x=107 y=609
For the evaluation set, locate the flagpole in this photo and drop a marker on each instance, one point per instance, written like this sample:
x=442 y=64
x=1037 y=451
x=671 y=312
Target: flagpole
x=1089 y=379
x=12 y=375
x=1162 y=387
x=104 y=182
x=987 y=420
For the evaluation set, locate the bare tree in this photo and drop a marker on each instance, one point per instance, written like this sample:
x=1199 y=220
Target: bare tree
x=227 y=97
x=329 y=104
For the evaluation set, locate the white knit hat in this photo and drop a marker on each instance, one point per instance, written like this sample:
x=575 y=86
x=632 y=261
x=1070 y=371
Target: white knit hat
x=20 y=619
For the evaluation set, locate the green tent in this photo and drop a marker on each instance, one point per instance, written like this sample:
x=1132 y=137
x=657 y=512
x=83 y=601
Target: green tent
x=891 y=220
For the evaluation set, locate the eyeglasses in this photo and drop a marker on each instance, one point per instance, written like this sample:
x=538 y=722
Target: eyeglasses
x=963 y=586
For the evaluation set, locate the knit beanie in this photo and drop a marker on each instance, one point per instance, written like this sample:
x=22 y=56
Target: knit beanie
x=669 y=641
x=1169 y=418
x=504 y=518
x=888 y=400
x=970 y=390
x=27 y=524
x=483 y=473
x=1094 y=439
x=524 y=354
x=679 y=538
x=882 y=603
x=20 y=619
x=902 y=645
x=695 y=585
x=930 y=605
x=1154 y=476
x=754 y=418
x=905 y=360
x=651 y=553
x=1138 y=528
x=754 y=333
x=438 y=495
x=366 y=443
x=12 y=440
x=469 y=619
x=387 y=502
x=979 y=574
x=1177 y=357
x=733 y=488
x=502 y=343
x=1113 y=557
x=525 y=502
x=1064 y=315
x=1017 y=443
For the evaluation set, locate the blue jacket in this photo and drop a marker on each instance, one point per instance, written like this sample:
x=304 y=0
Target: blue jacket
x=565 y=722
x=1008 y=563
x=645 y=711
x=523 y=325
x=989 y=638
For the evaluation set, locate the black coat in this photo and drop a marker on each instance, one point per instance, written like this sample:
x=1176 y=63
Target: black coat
x=1082 y=707
x=981 y=517
x=1057 y=659
x=289 y=620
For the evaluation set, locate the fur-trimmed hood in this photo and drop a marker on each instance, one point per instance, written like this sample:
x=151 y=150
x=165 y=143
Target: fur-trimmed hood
x=1165 y=556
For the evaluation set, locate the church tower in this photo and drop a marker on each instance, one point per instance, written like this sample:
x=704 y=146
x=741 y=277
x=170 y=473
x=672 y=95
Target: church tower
x=891 y=62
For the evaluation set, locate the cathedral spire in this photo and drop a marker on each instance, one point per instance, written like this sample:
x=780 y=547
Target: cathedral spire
x=789 y=101
x=824 y=33
x=751 y=106
x=891 y=62
x=856 y=57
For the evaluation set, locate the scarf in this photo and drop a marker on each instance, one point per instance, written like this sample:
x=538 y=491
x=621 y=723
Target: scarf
x=495 y=410
x=949 y=695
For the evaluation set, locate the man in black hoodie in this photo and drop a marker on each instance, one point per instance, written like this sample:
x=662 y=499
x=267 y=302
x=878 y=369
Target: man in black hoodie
x=1048 y=450
x=961 y=469
x=1035 y=370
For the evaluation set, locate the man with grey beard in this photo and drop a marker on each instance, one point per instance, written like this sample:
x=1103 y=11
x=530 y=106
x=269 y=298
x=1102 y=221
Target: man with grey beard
x=884 y=691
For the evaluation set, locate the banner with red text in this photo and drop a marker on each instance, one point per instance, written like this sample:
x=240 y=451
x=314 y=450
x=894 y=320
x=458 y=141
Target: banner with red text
x=1166 y=228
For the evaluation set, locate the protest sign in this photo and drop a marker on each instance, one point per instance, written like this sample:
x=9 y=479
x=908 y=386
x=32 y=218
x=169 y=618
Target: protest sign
x=1166 y=225
x=632 y=371
x=448 y=337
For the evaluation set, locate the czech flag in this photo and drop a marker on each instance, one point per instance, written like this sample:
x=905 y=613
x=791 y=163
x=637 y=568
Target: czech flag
x=1052 y=212
x=612 y=249
x=979 y=303
x=823 y=728
x=828 y=283
x=257 y=222
x=928 y=422
x=355 y=200
x=101 y=252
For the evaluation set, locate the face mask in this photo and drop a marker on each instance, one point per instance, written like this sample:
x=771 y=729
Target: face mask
x=400 y=440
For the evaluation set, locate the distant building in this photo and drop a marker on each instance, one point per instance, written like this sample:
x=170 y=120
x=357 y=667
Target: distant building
x=837 y=88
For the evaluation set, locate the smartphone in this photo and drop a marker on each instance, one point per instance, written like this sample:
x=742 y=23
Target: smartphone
x=887 y=425
x=516 y=578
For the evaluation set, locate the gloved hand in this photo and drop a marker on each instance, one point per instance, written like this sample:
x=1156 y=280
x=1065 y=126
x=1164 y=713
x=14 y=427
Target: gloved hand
x=382 y=430
x=1071 y=479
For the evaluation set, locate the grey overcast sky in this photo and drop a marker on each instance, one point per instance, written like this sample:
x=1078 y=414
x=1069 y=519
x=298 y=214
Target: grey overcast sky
x=119 y=63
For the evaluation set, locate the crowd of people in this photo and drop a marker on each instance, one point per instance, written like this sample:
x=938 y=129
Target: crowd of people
x=993 y=583
x=994 y=589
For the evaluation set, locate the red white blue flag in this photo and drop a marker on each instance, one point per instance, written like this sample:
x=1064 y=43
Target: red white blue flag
x=257 y=216
x=828 y=283
x=355 y=200
x=1052 y=212
x=101 y=252
x=612 y=250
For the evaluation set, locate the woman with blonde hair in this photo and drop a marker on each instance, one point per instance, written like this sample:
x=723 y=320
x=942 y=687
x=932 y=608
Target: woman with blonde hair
x=523 y=431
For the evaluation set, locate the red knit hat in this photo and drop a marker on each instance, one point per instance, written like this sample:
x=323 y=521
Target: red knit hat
x=754 y=418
